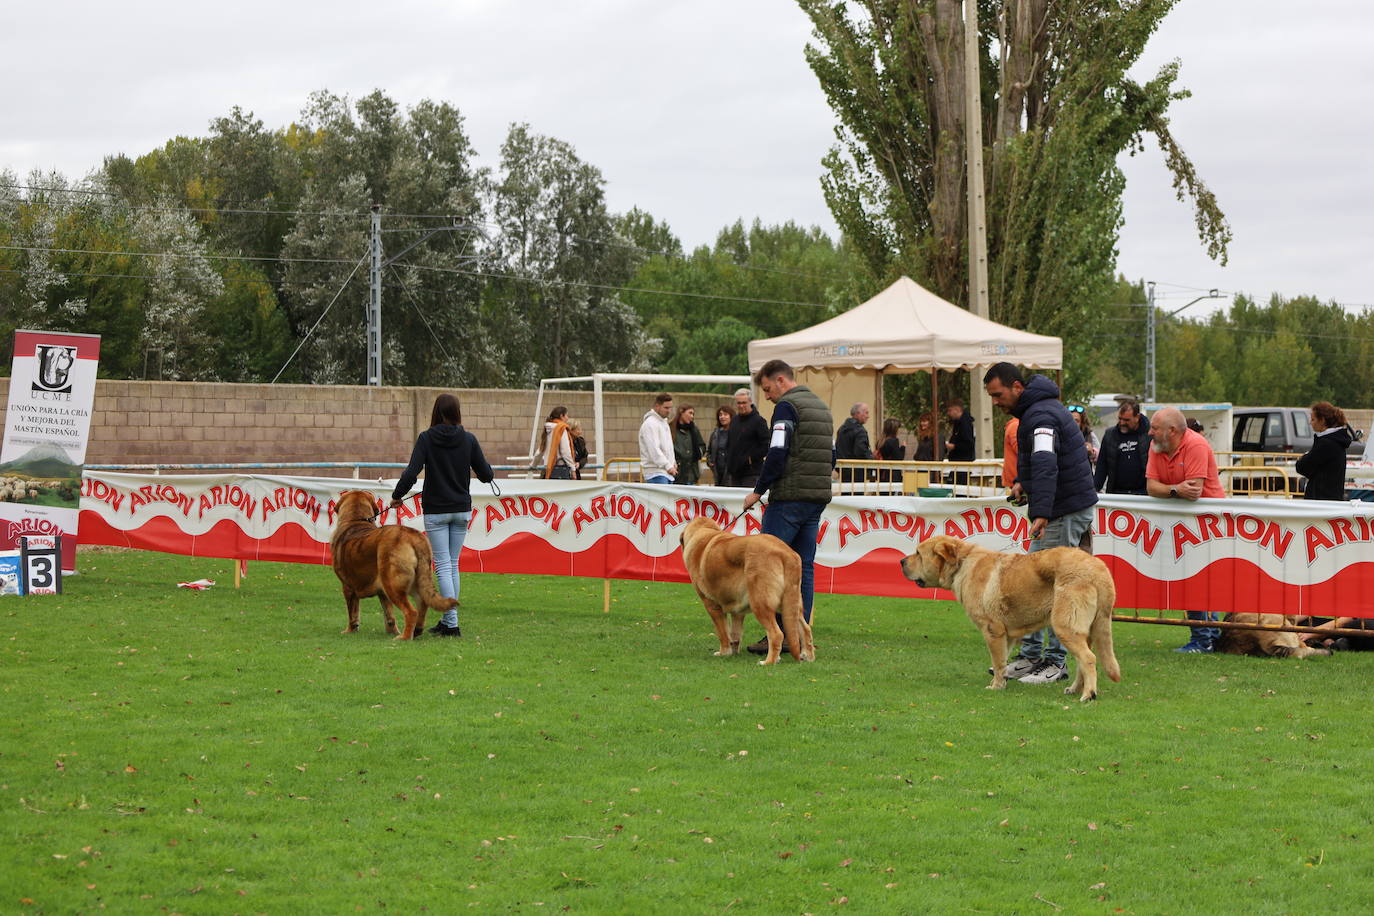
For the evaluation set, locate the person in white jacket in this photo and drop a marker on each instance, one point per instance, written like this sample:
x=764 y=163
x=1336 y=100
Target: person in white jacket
x=656 y=460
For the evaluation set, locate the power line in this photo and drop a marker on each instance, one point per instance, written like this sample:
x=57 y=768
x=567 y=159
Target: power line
x=175 y=254
x=346 y=281
x=682 y=256
x=617 y=289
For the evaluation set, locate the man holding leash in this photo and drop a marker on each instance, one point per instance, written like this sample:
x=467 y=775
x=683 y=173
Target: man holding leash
x=796 y=473
x=1052 y=472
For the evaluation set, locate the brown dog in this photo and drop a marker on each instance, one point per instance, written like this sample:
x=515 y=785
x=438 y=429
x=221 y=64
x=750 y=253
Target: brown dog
x=735 y=574
x=1008 y=595
x=391 y=562
x=1262 y=643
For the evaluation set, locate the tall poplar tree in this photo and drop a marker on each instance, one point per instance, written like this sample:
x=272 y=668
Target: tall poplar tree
x=1057 y=109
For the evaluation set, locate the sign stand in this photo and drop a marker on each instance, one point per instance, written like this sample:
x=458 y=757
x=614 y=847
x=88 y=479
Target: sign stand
x=40 y=561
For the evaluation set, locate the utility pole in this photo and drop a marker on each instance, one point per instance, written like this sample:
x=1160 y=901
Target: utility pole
x=979 y=402
x=1150 y=322
x=1150 y=342
x=374 y=302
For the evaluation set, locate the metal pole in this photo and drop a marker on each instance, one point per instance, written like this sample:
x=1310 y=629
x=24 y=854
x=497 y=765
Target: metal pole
x=1150 y=342
x=374 y=302
x=979 y=402
x=602 y=454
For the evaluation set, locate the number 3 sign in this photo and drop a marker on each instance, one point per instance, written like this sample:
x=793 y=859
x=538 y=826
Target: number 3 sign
x=40 y=560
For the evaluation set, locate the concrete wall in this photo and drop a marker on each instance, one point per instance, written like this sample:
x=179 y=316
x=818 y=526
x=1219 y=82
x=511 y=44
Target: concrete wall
x=137 y=422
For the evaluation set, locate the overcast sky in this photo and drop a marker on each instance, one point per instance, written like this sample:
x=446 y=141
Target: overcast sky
x=704 y=112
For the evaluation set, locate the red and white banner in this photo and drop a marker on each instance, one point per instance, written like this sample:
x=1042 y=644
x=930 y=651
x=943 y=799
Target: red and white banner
x=47 y=423
x=1272 y=556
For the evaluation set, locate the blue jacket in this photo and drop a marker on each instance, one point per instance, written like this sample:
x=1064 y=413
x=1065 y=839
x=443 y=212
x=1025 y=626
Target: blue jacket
x=1057 y=477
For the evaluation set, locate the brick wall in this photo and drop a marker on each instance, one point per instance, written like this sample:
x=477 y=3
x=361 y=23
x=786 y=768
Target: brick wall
x=137 y=422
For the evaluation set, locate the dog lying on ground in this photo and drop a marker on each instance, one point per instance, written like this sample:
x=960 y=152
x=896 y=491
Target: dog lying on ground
x=734 y=574
x=1261 y=643
x=1008 y=595
x=392 y=562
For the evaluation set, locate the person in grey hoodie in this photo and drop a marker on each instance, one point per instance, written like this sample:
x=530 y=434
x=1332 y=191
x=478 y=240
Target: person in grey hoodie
x=657 y=462
x=449 y=455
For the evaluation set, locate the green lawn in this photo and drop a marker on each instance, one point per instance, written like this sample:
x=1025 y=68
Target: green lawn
x=170 y=751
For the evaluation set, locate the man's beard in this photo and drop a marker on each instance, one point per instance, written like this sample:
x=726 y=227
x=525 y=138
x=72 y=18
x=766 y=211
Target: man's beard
x=1157 y=448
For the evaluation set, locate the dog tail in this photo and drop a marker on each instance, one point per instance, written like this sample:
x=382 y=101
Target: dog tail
x=424 y=580
x=793 y=618
x=1101 y=637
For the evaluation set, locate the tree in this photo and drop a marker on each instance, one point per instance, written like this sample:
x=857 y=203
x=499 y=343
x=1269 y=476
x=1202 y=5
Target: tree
x=562 y=264
x=1058 y=110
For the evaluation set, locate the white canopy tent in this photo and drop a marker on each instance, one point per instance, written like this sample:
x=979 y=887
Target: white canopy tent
x=903 y=329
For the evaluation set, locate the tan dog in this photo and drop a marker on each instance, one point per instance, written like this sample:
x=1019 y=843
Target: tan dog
x=1008 y=595
x=1262 y=643
x=391 y=562
x=734 y=574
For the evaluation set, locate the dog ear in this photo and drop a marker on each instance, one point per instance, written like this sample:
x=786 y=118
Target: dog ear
x=947 y=551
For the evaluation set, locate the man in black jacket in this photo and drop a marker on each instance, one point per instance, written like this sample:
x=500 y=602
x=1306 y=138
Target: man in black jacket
x=961 y=435
x=852 y=442
x=746 y=444
x=1125 y=452
x=1054 y=474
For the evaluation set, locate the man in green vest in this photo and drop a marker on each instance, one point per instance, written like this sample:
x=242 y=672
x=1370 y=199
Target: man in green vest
x=796 y=472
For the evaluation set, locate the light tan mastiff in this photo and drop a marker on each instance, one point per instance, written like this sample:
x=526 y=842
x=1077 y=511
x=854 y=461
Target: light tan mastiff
x=1008 y=595
x=734 y=574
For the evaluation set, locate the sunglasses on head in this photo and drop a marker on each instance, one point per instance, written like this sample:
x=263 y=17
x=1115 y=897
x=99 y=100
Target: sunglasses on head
x=1075 y=409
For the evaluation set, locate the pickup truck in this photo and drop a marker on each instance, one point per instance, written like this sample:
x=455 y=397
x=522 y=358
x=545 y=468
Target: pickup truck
x=1278 y=429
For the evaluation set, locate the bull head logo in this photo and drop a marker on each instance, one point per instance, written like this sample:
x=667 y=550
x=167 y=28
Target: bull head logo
x=54 y=368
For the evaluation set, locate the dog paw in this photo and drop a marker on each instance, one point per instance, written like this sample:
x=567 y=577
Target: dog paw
x=997 y=686
x=1088 y=696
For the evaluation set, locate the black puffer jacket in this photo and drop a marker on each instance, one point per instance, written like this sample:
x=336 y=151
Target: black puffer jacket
x=1324 y=465
x=1059 y=477
x=449 y=455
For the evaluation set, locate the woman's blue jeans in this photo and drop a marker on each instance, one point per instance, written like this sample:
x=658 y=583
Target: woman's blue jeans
x=446 y=531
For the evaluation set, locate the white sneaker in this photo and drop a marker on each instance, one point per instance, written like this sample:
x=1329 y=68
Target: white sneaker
x=1045 y=673
x=1019 y=668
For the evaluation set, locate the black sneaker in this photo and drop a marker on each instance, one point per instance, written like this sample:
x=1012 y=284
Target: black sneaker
x=442 y=629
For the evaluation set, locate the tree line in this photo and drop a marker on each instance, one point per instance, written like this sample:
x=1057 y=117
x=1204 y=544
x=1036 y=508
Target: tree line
x=242 y=255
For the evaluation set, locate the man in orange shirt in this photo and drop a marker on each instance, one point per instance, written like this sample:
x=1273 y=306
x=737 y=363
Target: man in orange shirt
x=1182 y=466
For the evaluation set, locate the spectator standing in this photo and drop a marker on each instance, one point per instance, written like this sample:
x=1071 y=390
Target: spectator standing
x=961 y=435
x=715 y=446
x=555 y=446
x=1182 y=466
x=688 y=446
x=579 y=447
x=1053 y=473
x=1009 y=449
x=1085 y=427
x=449 y=455
x=657 y=464
x=1324 y=464
x=796 y=473
x=891 y=449
x=747 y=442
x=851 y=442
x=925 y=438
x=1125 y=450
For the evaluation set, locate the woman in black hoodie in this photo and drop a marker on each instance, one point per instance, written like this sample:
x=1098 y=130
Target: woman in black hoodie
x=449 y=455
x=1324 y=465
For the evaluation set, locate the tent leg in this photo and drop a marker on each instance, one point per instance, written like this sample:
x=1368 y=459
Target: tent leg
x=935 y=413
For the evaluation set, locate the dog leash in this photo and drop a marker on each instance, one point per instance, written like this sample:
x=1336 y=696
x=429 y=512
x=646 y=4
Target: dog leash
x=742 y=514
x=495 y=491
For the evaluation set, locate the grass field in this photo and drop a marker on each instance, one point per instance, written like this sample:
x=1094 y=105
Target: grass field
x=170 y=751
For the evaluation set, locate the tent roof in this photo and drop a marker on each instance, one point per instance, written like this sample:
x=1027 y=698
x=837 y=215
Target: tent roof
x=906 y=328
